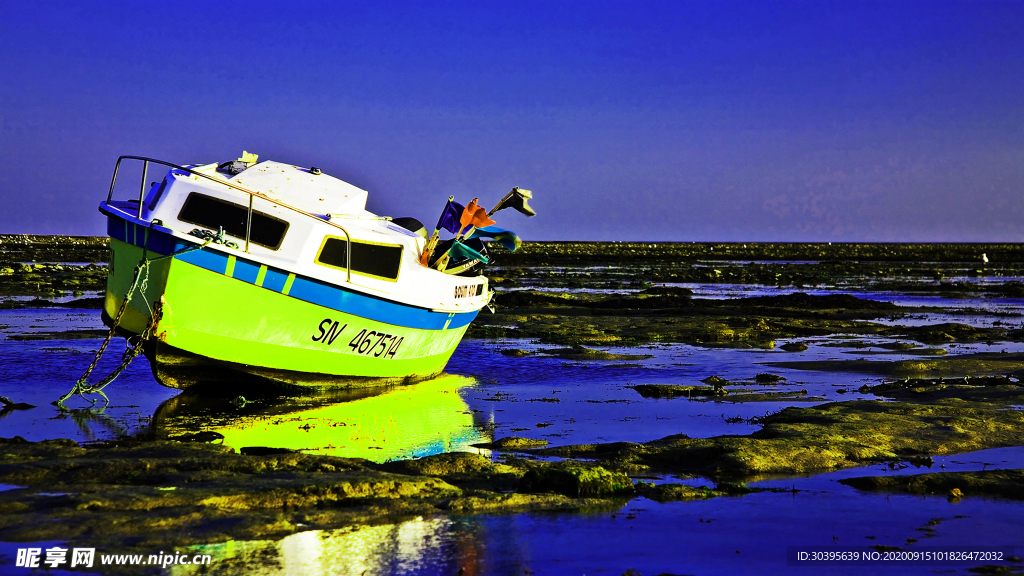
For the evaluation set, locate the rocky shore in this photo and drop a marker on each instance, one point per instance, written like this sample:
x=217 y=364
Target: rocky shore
x=573 y=298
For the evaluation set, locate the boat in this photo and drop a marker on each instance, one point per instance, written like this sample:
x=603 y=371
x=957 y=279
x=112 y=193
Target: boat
x=241 y=271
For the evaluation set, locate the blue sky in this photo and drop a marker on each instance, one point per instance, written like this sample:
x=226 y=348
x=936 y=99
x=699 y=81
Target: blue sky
x=664 y=121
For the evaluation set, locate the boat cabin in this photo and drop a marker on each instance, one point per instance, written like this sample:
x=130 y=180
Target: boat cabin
x=302 y=221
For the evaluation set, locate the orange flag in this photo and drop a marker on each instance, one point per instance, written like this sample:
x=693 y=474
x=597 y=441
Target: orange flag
x=475 y=215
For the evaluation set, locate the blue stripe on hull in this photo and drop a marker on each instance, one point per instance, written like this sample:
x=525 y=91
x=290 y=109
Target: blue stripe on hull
x=208 y=259
x=275 y=280
x=159 y=242
x=303 y=288
x=246 y=271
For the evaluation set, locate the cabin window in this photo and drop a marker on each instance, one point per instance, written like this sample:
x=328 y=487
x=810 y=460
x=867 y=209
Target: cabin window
x=215 y=213
x=380 y=261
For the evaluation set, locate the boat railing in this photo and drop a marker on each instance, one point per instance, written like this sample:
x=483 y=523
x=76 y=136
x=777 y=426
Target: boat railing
x=252 y=195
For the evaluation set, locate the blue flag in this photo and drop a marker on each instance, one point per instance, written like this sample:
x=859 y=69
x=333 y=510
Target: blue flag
x=506 y=238
x=449 y=219
x=460 y=251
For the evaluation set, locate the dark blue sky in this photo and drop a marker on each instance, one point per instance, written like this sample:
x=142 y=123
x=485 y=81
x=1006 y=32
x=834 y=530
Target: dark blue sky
x=702 y=121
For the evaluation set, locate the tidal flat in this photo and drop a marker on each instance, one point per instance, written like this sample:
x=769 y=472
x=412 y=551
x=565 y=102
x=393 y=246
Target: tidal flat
x=666 y=408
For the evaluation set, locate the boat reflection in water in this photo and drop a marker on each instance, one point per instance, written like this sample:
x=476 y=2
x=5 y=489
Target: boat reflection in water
x=418 y=546
x=382 y=424
x=408 y=421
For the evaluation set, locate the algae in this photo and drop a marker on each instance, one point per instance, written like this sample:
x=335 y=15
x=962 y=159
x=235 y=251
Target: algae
x=578 y=319
x=978 y=364
x=576 y=481
x=581 y=353
x=718 y=393
x=152 y=493
x=672 y=492
x=675 y=391
x=819 y=438
x=788 y=395
x=512 y=443
x=992 y=483
x=998 y=390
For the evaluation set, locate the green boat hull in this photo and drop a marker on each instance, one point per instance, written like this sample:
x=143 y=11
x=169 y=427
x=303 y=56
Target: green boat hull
x=217 y=326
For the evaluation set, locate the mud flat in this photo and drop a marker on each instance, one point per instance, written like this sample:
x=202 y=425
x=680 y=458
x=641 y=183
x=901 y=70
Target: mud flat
x=154 y=493
x=606 y=313
x=671 y=316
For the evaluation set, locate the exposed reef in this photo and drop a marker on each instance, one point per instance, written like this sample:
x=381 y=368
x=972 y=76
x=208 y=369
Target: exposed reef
x=756 y=322
x=144 y=493
x=970 y=365
x=952 y=485
x=816 y=439
x=571 y=299
x=152 y=493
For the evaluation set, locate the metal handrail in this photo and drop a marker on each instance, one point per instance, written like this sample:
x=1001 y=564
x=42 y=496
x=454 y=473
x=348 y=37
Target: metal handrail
x=142 y=189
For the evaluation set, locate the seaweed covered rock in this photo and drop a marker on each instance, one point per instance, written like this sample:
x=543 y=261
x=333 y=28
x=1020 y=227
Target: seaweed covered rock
x=650 y=299
x=448 y=463
x=840 y=435
x=824 y=437
x=806 y=301
x=578 y=352
x=576 y=482
x=998 y=483
x=513 y=443
x=960 y=365
x=932 y=389
x=674 y=492
x=146 y=494
x=794 y=347
x=532 y=298
x=675 y=391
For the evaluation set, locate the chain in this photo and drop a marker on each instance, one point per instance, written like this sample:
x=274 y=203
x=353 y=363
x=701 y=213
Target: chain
x=141 y=277
x=82 y=386
x=217 y=238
